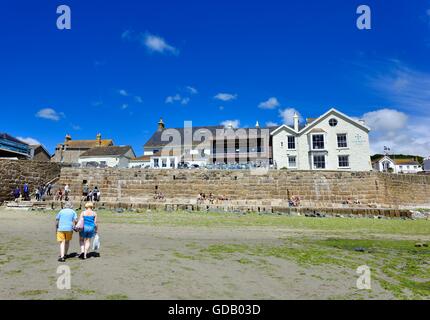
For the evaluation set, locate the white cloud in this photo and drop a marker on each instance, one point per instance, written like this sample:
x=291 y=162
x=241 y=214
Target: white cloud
x=233 y=123
x=226 y=96
x=406 y=88
x=271 y=124
x=221 y=108
x=151 y=42
x=124 y=106
x=76 y=127
x=138 y=99
x=50 y=114
x=123 y=93
x=192 y=90
x=271 y=103
x=157 y=44
x=29 y=140
x=387 y=120
x=172 y=99
x=177 y=98
x=398 y=131
x=287 y=115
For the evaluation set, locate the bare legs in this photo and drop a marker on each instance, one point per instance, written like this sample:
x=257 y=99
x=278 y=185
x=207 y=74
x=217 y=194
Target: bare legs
x=85 y=246
x=64 y=248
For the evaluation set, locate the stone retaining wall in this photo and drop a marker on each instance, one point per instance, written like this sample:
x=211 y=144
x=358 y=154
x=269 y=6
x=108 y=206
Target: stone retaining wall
x=326 y=189
x=17 y=172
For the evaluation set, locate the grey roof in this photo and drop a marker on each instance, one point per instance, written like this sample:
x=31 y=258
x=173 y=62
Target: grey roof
x=107 y=151
x=155 y=140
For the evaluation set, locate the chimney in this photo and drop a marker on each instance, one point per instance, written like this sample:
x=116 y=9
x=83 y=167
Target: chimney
x=68 y=138
x=296 y=121
x=99 y=139
x=257 y=125
x=161 y=125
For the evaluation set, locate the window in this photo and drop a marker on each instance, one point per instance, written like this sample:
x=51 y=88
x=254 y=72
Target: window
x=155 y=163
x=332 y=122
x=343 y=161
x=282 y=144
x=318 y=141
x=319 y=162
x=292 y=162
x=164 y=163
x=291 y=142
x=341 y=141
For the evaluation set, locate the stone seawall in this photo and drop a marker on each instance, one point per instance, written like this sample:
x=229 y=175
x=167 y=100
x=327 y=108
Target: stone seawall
x=315 y=188
x=17 y=172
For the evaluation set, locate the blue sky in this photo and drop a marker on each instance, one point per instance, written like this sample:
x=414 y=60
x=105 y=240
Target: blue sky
x=125 y=64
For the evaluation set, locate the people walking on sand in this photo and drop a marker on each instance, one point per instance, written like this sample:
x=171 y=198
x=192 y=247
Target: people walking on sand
x=16 y=193
x=65 y=222
x=88 y=219
x=26 y=190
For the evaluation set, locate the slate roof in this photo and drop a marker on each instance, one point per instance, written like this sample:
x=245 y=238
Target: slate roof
x=155 y=140
x=142 y=158
x=107 y=151
x=88 y=144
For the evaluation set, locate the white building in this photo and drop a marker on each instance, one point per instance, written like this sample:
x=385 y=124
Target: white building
x=393 y=165
x=140 y=162
x=334 y=141
x=114 y=157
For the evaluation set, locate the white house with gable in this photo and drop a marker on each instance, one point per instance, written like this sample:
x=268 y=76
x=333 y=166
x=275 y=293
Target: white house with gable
x=393 y=165
x=334 y=141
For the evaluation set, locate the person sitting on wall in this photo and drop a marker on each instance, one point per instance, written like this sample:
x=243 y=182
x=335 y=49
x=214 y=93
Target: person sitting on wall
x=59 y=196
x=211 y=198
x=158 y=196
x=294 y=201
x=348 y=201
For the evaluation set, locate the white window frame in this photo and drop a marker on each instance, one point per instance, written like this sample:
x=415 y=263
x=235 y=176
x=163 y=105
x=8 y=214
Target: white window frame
x=312 y=141
x=346 y=140
x=313 y=161
x=349 y=161
x=295 y=142
x=288 y=161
